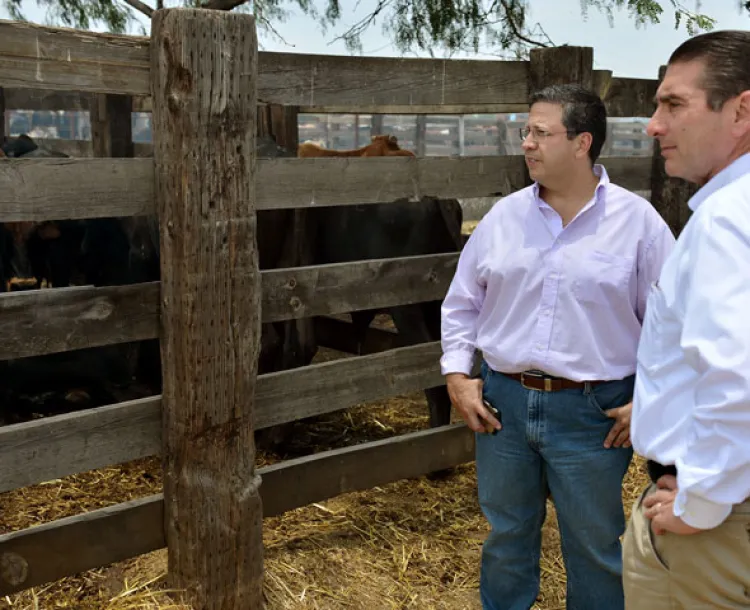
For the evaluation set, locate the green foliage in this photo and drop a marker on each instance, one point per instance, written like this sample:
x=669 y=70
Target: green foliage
x=433 y=26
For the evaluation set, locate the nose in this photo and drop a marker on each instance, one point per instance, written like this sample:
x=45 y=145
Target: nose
x=655 y=127
x=528 y=144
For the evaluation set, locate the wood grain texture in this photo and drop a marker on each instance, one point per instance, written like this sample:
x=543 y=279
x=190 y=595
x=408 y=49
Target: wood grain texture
x=53 y=447
x=50 y=189
x=204 y=70
x=57 y=320
x=38 y=322
x=63 y=59
x=72 y=60
x=58 y=446
x=309 y=80
x=303 y=292
x=630 y=97
x=59 y=188
x=41 y=554
x=44 y=553
x=289 y=183
x=560 y=65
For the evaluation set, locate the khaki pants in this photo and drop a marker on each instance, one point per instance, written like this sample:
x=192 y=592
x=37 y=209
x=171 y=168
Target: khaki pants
x=705 y=571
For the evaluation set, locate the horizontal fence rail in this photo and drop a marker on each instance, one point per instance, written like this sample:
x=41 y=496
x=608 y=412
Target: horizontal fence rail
x=38 y=322
x=71 y=60
x=49 y=448
x=623 y=97
x=42 y=554
x=56 y=189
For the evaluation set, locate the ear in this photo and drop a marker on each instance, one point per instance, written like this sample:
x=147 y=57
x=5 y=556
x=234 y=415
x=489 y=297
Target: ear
x=585 y=140
x=742 y=114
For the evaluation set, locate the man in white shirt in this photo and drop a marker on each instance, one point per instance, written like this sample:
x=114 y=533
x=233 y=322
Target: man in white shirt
x=688 y=540
x=552 y=287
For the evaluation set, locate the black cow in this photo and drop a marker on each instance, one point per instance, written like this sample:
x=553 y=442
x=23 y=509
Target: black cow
x=122 y=251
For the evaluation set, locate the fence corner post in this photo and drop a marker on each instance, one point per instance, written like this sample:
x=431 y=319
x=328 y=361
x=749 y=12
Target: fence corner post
x=204 y=92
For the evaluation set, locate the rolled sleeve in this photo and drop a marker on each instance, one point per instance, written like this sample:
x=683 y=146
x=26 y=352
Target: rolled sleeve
x=460 y=310
x=700 y=512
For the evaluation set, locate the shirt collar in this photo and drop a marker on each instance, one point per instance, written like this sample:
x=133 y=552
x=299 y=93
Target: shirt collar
x=599 y=170
x=738 y=168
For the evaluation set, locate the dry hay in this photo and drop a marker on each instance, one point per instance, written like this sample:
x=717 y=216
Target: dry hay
x=410 y=544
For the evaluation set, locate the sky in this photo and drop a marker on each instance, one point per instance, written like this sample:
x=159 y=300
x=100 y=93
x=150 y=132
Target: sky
x=620 y=47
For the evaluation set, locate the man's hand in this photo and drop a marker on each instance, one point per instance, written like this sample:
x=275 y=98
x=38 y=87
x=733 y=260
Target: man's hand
x=659 y=508
x=466 y=396
x=619 y=434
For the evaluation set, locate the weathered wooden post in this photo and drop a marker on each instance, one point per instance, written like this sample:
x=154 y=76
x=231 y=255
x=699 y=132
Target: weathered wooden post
x=204 y=67
x=669 y=195
x=111 y=125
x=559 y=66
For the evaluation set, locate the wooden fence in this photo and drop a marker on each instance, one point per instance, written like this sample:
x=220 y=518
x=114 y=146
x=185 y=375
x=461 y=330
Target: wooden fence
x=208 y=321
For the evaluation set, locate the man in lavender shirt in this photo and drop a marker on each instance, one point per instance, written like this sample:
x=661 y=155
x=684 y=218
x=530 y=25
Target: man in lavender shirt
x=551 y=288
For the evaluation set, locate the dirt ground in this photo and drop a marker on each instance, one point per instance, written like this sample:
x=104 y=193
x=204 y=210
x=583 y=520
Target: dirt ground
x=411 y=544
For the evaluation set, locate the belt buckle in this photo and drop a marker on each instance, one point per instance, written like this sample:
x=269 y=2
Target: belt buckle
x=547 y=381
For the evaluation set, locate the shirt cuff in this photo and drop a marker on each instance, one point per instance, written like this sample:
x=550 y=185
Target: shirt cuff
x=457 y=361
x=699 y=512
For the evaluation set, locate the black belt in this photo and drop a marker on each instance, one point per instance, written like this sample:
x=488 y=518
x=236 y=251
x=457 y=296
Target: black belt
x=657 y=470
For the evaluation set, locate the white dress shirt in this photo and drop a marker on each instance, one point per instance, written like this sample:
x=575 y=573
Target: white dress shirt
x=531 y=294
x=692 y=394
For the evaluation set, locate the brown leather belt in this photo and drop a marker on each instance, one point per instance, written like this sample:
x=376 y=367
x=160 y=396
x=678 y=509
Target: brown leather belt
x=547 y=383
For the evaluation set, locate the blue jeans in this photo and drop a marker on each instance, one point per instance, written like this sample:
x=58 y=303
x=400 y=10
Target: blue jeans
x=552 y=441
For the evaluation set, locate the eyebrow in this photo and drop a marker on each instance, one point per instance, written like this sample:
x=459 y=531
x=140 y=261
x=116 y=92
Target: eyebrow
x=668 y=97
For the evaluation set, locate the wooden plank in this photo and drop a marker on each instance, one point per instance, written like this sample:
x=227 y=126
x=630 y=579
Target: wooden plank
x=30 y=99
x=67 y=444
x=290 y=183
x=632 y=173
x=418 y=109
x=47 y=189
x=332 y=386
x=84 y=149
x=41 y=554
x=64 y=59
x=55 y=320
x=38 y=322
x=35 y=57
x=630 y=97
x=47 y=99
x=341 y=81
x=53 y=447
x=295 y=483
x=204 y=78
x=52 y=189
x=111 y=125
x=560 y=65
x=59 y=188
x=303 y=292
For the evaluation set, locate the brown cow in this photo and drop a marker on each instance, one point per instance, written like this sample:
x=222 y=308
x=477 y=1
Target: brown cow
x=380 y=146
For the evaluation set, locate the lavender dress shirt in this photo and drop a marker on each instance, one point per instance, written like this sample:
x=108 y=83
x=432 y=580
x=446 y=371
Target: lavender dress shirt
x=530 y=294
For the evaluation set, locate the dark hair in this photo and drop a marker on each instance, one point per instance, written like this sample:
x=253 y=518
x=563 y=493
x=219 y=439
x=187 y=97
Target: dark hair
x=726 y=55
x=582 y=111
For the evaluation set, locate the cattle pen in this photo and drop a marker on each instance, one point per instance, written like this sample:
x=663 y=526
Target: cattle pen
x=201 y=75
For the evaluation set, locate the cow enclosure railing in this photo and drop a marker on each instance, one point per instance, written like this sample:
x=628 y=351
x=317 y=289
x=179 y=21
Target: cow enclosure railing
x=66 y=67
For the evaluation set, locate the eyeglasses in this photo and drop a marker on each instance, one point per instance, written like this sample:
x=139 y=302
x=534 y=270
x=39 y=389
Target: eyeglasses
x=537 y=135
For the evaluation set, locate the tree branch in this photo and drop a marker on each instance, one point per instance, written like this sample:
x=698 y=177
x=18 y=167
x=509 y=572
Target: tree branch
x=514 y=28
x=140 y=6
